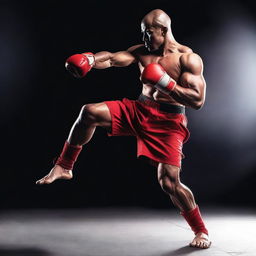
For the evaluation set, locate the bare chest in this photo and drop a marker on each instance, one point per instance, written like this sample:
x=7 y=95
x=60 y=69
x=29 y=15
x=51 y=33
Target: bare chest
x=170 y=63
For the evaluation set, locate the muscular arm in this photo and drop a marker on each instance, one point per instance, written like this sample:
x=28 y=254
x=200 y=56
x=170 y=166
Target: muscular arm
x=191 y=91
x=106 y=59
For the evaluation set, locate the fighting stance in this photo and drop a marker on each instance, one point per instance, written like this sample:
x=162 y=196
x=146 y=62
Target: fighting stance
x=172 y=78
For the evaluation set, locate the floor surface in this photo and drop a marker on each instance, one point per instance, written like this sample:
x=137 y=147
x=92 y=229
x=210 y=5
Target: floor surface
x=123 y=232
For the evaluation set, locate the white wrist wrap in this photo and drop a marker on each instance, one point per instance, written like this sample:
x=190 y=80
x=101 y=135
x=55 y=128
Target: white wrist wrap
x=90 y=58
x=165 y=84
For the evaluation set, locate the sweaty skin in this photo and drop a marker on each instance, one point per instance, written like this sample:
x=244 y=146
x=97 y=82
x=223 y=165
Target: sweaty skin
x=184 y=66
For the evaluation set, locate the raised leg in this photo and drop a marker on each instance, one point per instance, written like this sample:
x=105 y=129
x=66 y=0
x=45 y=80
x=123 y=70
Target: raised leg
x=91 y=116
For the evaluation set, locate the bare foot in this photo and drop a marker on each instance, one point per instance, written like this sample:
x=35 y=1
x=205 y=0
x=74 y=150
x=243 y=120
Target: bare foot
x=57 y=172
x=201 y=240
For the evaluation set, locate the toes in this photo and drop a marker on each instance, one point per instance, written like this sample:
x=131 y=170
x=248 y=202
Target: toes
x=208 y=245
x=39 y=182
x=192 y=244
x=200 y=244
x=42 y=181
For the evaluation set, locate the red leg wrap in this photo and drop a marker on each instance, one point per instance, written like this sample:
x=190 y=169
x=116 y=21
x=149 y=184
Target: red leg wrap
x=195 y=221
x=68 y=156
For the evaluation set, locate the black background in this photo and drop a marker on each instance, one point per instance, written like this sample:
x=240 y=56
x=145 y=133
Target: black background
x=40 y=101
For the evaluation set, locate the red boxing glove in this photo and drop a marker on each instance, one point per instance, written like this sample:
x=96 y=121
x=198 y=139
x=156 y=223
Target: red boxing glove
x=80 y=64
x=155 y=74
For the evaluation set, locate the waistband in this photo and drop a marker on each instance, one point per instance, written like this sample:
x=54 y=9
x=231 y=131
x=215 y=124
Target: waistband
x=162 y=106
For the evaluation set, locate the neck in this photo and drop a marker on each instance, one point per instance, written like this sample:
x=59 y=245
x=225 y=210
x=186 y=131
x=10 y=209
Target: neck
x=170 y=44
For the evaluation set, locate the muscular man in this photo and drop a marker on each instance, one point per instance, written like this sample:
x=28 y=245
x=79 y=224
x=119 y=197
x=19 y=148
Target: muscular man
x=172 y=77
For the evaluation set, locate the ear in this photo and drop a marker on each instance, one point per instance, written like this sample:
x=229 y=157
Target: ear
x=164 y=30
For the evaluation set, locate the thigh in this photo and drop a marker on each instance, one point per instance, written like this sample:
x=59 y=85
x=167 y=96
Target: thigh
x=99 y=113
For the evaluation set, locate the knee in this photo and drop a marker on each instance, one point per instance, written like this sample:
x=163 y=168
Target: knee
x=169 y=186
x=87 y=114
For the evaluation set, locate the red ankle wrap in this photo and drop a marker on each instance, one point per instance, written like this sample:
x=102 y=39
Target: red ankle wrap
x=68 y=156
x=195 y=221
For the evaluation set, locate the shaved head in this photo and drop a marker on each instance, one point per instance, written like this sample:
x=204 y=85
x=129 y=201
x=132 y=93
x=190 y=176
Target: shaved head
x=156 y=30
x=157 y=18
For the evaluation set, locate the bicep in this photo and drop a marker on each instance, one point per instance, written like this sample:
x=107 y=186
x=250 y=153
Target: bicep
x=193 y=81
x=122 y=59
x=192 y=76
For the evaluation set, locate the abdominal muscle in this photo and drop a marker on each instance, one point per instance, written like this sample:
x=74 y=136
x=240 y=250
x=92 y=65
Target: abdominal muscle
x=154 y=94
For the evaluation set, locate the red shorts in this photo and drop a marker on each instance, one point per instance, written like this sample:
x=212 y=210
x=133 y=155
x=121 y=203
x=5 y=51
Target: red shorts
x=160 y=133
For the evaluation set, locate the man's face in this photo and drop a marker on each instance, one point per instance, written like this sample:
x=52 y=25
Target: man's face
x=152 y=37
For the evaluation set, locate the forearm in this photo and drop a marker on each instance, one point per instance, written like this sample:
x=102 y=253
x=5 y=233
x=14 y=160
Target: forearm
x=188 y=96
x=192 y=95
x=103 y=60
x=106 y=59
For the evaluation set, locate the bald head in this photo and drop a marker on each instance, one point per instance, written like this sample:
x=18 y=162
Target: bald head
x=156 y=30
x=157 y=18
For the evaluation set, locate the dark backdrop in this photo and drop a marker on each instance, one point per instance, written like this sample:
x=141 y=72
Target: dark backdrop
x=40 y=101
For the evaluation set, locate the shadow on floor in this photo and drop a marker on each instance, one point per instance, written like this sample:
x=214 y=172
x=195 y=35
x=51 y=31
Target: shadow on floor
x=186 y=250
x=23 y=252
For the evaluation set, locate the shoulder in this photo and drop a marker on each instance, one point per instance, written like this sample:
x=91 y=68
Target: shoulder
x=184 y=49
x=135 y=48
x=137 y=51
x=192 y=62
